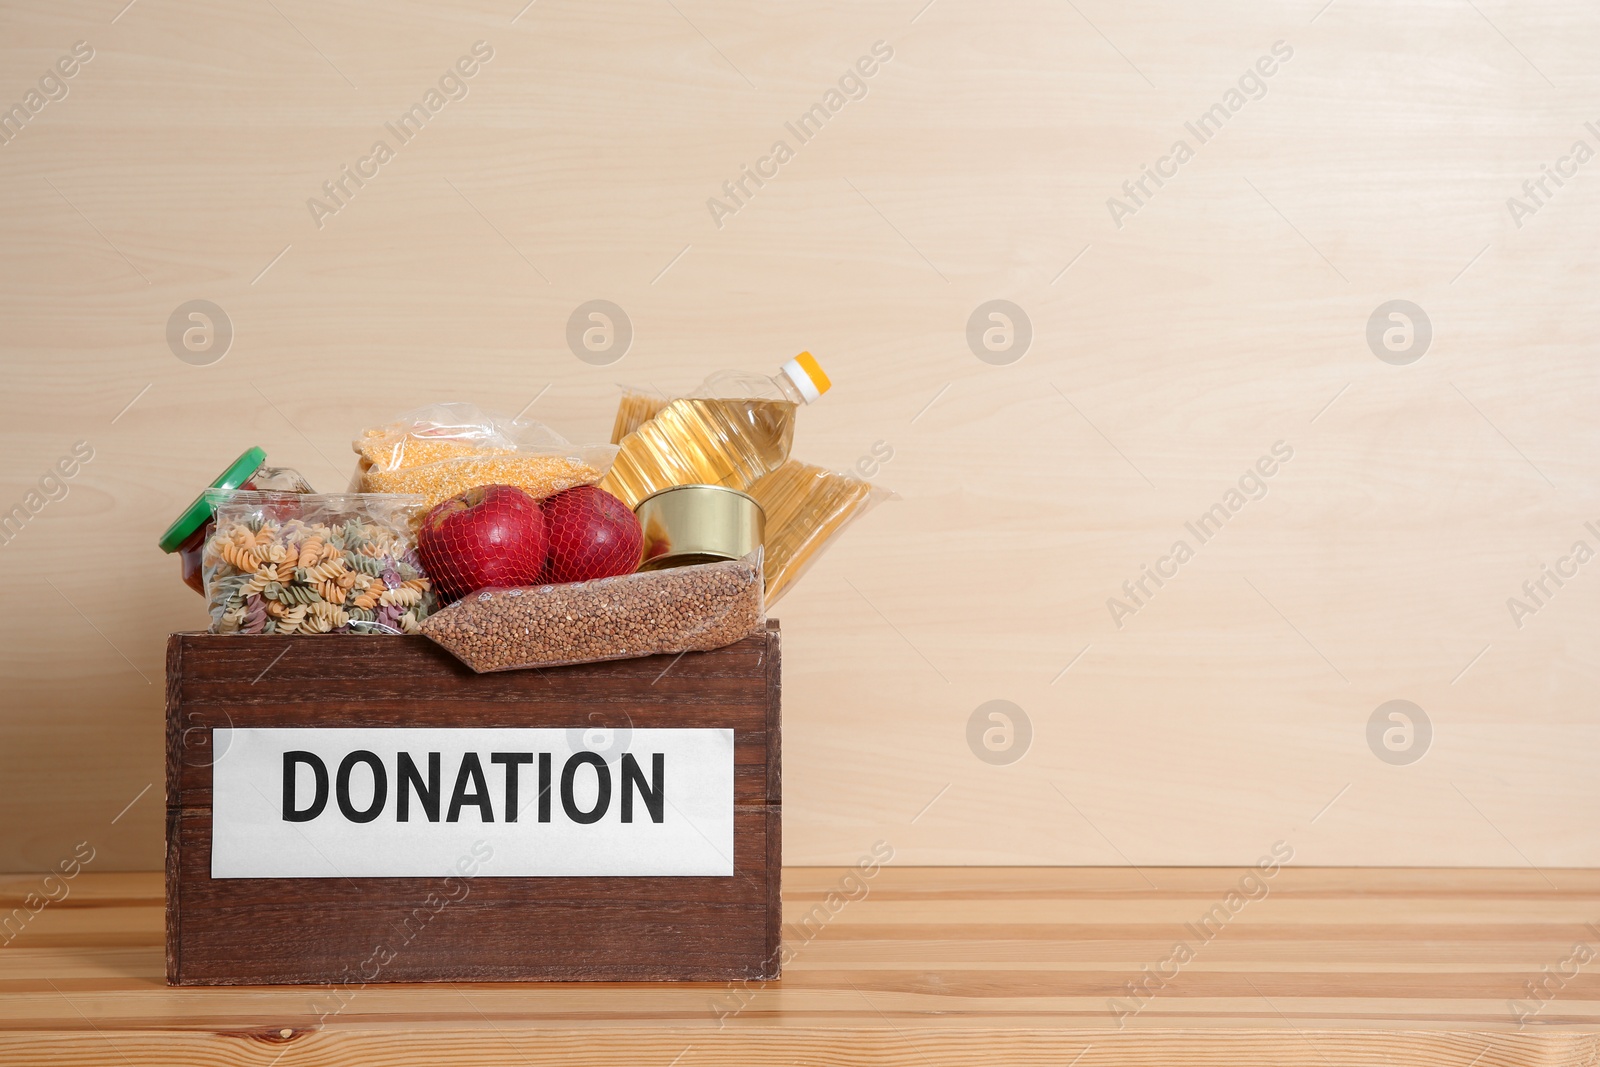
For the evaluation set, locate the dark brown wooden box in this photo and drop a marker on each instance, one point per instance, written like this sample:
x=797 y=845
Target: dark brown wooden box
x=324 y=930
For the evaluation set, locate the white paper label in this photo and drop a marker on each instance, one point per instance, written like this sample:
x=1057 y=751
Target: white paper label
x=414 y=802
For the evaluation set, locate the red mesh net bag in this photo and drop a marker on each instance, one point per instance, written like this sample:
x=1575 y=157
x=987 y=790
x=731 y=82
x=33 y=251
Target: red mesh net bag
x=497 y=536
x=487 y=536
x=592 y=535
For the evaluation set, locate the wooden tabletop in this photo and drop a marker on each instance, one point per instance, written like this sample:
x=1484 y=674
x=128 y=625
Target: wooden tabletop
x=917 y=966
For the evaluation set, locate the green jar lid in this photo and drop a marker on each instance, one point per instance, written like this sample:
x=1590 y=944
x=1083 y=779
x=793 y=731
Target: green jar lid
x=196 y=514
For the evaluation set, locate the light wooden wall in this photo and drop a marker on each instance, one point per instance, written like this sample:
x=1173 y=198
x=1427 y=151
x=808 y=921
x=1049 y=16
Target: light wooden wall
x=1229 y=313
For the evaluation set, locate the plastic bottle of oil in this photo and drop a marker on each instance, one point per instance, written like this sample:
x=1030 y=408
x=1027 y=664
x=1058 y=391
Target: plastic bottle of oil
x=734 y=429
x=799 y=381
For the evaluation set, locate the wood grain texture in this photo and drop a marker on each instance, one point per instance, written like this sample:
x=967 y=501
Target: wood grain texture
x=1168 y=355
x=942 y=967
x=324 y=930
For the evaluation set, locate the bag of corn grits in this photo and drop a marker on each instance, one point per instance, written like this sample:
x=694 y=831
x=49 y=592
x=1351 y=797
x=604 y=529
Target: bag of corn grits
x=443 y=449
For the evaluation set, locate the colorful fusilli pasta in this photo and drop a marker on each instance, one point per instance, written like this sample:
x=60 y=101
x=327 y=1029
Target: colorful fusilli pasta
x=326 y=569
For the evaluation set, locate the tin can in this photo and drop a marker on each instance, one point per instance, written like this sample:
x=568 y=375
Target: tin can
x=687 y=524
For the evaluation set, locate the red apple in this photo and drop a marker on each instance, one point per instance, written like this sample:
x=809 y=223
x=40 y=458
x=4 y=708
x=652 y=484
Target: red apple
x=592 y=535
x=490 y=535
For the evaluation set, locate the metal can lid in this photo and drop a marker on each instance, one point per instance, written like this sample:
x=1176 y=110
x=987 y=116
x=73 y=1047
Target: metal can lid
x=695 y=488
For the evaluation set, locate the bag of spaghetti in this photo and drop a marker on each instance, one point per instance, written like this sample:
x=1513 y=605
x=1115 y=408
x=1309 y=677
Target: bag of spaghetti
x=807 y=507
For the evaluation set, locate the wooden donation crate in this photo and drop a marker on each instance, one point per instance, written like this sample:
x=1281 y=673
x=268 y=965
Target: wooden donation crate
x=359 y=809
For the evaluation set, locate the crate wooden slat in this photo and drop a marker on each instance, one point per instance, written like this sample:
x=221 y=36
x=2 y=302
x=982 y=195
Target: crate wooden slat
x=315 y=930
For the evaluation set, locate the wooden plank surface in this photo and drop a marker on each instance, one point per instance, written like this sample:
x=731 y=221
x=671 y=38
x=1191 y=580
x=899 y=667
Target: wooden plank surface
x=1168 y=356
x=1005 y=966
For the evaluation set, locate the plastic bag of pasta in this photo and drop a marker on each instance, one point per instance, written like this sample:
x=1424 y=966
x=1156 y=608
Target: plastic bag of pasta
x=807 y=507
x=440 y=450
x=637 y=407
x=290 y=563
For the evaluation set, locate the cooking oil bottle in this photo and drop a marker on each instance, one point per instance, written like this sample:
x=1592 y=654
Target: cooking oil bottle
x=734 y=429
x=799 y=381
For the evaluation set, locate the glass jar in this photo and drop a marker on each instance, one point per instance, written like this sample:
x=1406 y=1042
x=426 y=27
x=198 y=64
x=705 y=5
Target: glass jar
x=187 y=536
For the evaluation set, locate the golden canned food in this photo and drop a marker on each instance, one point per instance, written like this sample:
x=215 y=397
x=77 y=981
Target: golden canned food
x=688 y=524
